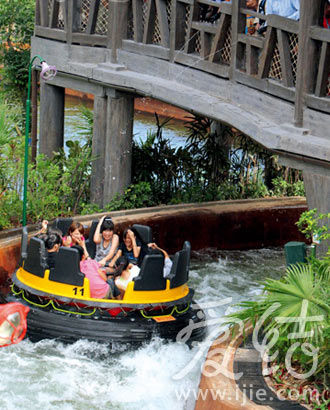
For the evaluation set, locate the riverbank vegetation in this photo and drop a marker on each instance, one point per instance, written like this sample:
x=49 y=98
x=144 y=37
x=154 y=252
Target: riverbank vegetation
x=293 y=315
x=211 y=166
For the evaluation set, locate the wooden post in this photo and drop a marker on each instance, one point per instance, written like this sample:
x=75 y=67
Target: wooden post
x=51 y=118
x=34 y=110
x=238 y=23
x=98 y=149
x=306 y=67
x=72 y=21
x=177 y=27
x=117 y=26
x=118 y=149
x=44 y=13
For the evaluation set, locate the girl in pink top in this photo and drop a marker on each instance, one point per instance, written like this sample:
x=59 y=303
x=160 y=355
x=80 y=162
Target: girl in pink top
x=99 y=288
x=75 y=235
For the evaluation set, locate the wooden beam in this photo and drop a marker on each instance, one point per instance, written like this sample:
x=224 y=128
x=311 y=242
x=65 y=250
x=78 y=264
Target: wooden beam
x=267 y=53
x=238 y=23
x=92 y=17
x=37 y=20
x=51 y=33
x=306 y=67
x=44 y=13
x=53 y=21
x=285 y=58
x=163 y=23
x=219 y=38
x=149 y=22
x=252 y=55
x=323 y=71
x=137 y=8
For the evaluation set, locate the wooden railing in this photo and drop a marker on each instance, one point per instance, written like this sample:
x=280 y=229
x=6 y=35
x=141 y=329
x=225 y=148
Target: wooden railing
x=291 y=56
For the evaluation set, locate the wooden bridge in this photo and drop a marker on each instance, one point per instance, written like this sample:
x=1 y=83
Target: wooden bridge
x=273 y=87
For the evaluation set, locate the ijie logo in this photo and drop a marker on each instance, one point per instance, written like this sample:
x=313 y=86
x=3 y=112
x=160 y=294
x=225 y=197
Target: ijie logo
x=219 y=356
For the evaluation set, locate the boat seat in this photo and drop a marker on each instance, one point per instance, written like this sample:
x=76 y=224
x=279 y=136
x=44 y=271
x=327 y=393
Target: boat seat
x=63 y=224
x=67 y=268
x=36 y=259
x=90 y=244
x=180 y=268
x=151 y=274
x=144 y=233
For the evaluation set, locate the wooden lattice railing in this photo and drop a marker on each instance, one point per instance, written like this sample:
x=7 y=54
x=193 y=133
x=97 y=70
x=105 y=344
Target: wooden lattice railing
x=176 y=30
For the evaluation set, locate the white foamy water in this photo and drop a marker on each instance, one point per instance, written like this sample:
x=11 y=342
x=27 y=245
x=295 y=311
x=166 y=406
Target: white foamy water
x=85 y=375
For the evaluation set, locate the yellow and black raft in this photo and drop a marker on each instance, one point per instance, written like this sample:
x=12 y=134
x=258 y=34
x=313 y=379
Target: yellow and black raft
x=61 y=306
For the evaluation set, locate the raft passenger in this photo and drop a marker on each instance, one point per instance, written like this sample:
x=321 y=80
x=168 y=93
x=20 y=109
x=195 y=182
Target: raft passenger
x=124 y=272
x=130 y=247
x=75 y=235
x=106 y=241
x=100 y=286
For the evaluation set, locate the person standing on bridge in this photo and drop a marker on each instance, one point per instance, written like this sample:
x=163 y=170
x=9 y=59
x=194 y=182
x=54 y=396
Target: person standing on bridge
x=284 y=8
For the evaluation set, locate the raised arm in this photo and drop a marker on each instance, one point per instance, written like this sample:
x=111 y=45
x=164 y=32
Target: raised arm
x=97 y=238
x=136 y=249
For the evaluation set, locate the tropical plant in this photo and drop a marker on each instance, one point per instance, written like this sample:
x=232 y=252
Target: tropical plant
x=301 y=296
x=16 y=29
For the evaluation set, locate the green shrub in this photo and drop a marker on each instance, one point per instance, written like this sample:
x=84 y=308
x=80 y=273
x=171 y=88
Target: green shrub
x=135 y=196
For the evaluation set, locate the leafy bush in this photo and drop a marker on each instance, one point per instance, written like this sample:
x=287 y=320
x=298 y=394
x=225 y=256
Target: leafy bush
x=135 y=196
x=284 y=188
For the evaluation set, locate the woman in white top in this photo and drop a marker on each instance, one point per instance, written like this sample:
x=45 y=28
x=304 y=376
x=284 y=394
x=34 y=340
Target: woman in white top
x=106 y=241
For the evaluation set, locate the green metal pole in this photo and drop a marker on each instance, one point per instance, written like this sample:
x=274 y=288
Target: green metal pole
x=27 y=131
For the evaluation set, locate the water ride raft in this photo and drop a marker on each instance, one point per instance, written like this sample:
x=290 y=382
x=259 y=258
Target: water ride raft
x=61 y=307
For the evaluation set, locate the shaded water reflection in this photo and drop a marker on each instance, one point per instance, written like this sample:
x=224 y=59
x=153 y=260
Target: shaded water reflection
x=85 y=375
x=143 y=123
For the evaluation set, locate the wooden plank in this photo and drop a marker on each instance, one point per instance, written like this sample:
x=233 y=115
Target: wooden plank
x=203 y=26
x=319 y=104
x=55 y=7
x=219 y=38
x=319 y=33
x=252 y=54
x=190 y=40
x=137 y=8
x=285 y=58
x=44 y=13
x=225 y=8
x=238 y=22
x=267 y=53
x=306 y=67
x=163 y=23
x=265 y=85
x=289 y=25
x=254 y=41
x=69 y=25
x=221 y=70
x=89 y=39
x=92 y=17
x=205 y=45
x=149 y=22
x=151 y=50
x=177 y=31
x=191 y=2
x=323 y=71
x=51 y=33
x=37 y=20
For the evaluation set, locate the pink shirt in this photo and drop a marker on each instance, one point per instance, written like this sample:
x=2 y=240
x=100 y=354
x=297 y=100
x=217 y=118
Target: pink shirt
x=98 y=286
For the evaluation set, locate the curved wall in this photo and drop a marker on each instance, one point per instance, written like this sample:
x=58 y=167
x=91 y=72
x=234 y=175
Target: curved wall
x=245 y=224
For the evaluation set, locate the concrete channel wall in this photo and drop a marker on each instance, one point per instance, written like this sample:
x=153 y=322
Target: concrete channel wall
x=244 y=224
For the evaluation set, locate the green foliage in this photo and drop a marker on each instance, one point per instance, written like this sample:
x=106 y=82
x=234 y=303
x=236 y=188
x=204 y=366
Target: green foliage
x=16 y=29
x=135 y=196
x=304 y=286
x=284 y=188
x=313 y=223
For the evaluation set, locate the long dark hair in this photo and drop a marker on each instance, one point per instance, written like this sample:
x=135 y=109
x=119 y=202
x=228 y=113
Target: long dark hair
x=121 y=265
